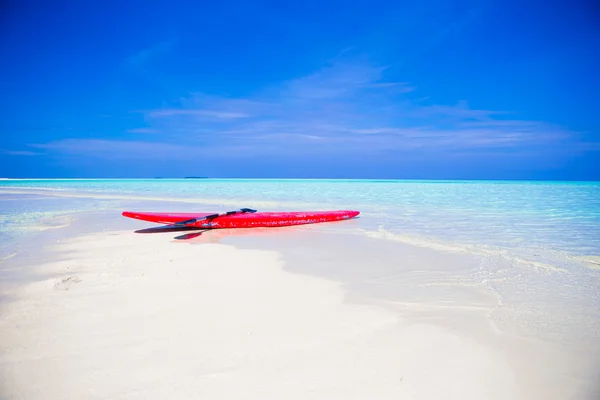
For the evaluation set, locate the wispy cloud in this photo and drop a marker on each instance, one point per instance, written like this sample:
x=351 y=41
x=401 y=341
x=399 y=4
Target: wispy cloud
x=344 y=108
x=402 y=87
x=20 y=152
x=140 y=58
x=117 y=149
x=143 y=130
x=174 y=112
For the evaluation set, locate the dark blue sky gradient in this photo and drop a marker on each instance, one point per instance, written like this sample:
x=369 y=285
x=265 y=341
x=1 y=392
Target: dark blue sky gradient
x=380 y=89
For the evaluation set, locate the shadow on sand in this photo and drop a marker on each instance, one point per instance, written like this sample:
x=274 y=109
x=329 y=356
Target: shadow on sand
x=194 y=231
x=217 y=234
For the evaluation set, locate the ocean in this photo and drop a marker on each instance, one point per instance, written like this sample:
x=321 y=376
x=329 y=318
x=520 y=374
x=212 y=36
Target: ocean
x=525 y=217
x=538 y=241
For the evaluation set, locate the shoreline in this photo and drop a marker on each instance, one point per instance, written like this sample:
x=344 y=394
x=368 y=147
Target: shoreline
x=555 y=258
x=71 y=299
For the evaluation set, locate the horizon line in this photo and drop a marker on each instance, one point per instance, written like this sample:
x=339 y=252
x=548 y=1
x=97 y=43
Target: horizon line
x=308 y=179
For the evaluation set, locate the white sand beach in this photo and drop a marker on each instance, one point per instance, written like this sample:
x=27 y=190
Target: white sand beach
x=120 y=315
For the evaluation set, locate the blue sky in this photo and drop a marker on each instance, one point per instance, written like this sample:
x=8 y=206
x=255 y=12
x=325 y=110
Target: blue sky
x=379 y=89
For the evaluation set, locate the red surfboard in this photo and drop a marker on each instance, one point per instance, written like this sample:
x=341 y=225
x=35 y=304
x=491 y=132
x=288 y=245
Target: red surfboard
x=244 y=218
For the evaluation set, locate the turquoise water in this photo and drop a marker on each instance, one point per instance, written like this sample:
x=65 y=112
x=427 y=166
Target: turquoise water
x=26 y=214
x=549 y=216
x=538 y=242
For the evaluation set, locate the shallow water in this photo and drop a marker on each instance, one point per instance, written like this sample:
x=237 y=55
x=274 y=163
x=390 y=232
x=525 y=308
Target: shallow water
x=536 y=242
x=546 y=216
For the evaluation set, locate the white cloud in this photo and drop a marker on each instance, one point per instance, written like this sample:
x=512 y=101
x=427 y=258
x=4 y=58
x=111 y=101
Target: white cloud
x=345 y=108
